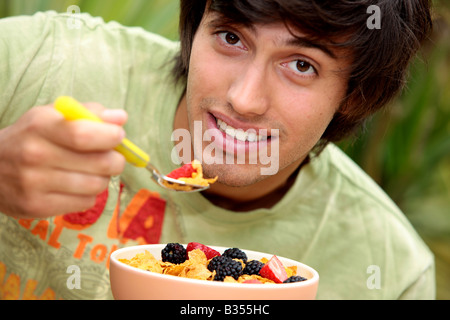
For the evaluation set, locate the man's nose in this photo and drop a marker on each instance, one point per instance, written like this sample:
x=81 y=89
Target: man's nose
x=249 y=91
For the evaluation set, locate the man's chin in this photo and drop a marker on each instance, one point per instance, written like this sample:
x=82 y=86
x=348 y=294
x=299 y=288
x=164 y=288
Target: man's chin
x=233 y=175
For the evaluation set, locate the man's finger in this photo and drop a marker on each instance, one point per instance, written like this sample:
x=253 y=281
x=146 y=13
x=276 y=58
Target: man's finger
x=115 y=116
x=80 y=135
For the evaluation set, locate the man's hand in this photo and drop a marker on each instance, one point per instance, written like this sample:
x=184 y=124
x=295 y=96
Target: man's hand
x=50 y=166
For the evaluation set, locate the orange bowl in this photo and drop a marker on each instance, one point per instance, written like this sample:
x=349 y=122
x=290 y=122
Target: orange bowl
x=130 y=283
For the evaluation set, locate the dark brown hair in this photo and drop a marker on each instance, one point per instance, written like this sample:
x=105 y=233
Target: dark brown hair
x=380 y=56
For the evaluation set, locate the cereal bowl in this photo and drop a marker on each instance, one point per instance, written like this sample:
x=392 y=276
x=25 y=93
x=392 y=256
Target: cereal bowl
x=131 y=283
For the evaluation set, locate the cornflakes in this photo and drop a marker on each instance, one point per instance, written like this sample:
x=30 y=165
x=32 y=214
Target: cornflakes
x=191 y=173
x=195 y=267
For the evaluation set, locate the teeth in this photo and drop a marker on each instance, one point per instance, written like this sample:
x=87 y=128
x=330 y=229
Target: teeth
x=252 y=137
x=222 y=125
x=230 y=131
x=239 y=134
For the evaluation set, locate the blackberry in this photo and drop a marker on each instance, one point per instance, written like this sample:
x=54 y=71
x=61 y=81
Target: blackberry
x=253 y=267
x=174 y=253
x=216 y=261
x=294 y=279
x=228 y=267
x=236 y=253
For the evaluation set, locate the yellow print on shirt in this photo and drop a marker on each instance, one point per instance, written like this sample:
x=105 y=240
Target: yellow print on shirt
x=140 y=221
x=10 y=288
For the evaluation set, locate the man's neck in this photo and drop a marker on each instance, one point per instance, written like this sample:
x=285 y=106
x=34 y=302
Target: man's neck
x=244 y=199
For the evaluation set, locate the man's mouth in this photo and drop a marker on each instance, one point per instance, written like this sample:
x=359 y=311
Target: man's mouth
x=240 y=142
x=250 y=135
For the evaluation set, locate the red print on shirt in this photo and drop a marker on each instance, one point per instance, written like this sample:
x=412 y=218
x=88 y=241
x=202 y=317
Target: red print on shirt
x=91 y=215
x=141 y=220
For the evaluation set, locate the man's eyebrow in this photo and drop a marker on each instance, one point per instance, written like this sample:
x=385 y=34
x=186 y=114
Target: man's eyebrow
x=308 y=43
x=296 y=41
x=221 y=21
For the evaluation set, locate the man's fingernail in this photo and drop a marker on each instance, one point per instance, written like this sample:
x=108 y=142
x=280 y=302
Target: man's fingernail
x=122 y=133
x=114 y=113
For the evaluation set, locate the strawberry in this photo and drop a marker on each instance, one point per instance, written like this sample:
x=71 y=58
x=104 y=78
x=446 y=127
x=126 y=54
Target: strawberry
x=182 y=172
x=252 y=281
x=274 y=270
x=209 y=252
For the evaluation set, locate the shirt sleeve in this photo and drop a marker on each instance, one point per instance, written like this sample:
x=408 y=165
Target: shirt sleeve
x=49 y=54
x=424 y=288
x=23 y=68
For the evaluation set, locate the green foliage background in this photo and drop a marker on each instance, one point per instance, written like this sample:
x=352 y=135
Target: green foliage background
x=405 y=148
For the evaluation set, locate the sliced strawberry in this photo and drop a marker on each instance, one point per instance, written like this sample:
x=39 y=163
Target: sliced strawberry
x=182 y=172
x=274 y=270
x=252 y=281
x=209 y=252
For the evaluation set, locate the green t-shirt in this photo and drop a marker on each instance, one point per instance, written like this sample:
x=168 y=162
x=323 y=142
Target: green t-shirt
x=334 y=218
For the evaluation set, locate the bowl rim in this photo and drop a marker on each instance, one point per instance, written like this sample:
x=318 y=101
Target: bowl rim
x=265 y=286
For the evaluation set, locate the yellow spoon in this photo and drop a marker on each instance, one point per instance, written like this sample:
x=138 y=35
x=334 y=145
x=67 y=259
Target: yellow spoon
x=73 y=110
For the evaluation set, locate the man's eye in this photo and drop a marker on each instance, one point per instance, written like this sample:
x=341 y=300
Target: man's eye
x=229 y=38
x=302 y=67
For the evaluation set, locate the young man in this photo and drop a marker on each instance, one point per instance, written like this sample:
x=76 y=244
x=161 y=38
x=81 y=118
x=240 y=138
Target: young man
x=261 y=90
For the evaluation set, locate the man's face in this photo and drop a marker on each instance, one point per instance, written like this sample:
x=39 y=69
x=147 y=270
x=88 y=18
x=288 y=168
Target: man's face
x=258 y=91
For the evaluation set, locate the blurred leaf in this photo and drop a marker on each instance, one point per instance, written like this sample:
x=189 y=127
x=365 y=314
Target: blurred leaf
x=158 y=16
